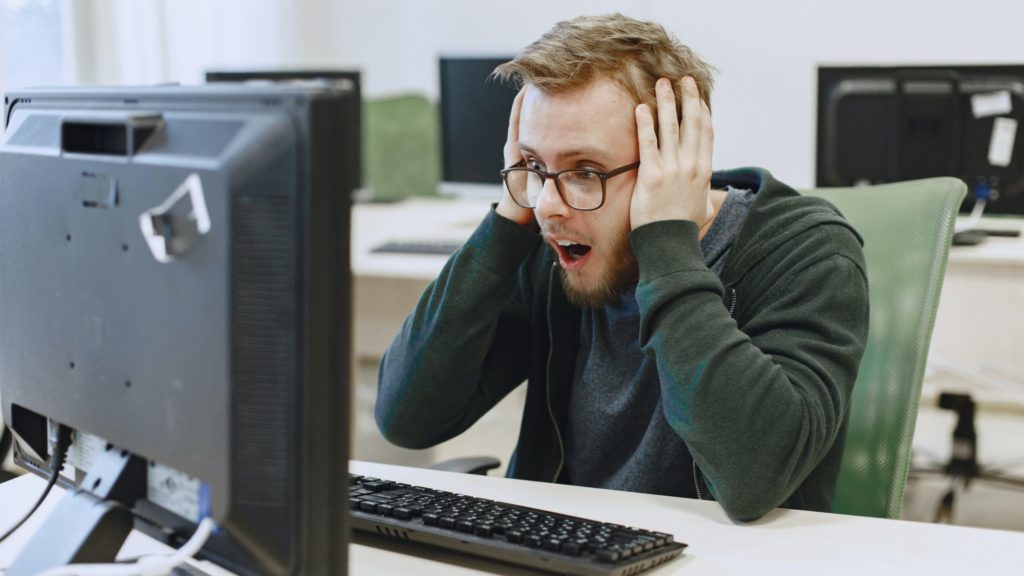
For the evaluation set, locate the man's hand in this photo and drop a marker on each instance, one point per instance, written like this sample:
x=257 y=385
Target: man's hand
x=506 y=206
x=674 y=179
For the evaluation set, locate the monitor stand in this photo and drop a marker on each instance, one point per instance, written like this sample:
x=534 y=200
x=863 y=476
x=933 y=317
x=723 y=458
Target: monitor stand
x=6 y=440
x=90 y=523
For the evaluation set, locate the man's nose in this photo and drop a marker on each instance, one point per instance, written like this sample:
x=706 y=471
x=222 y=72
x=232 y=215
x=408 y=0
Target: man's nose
x=550 y=203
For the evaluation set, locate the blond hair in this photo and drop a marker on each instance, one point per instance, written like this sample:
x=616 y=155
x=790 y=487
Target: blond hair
x=632 y=53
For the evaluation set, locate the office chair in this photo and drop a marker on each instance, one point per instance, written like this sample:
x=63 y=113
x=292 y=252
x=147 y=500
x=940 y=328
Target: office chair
x=907 y=229
x=401 y=141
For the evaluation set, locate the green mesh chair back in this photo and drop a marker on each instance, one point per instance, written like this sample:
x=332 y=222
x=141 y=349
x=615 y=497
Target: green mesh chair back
x=907 y=229
x=402 y=147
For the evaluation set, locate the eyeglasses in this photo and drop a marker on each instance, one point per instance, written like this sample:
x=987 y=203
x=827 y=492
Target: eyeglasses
x=580 y=189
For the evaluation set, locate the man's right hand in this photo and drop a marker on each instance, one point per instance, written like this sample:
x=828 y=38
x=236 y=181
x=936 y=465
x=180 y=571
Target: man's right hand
x=506 y=206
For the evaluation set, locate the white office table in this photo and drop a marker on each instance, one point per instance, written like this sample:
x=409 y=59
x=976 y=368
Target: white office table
x=783 y=542
x=975 y=344
x=387 y=286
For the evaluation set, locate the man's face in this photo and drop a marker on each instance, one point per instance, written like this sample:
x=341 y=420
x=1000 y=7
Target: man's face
x=591 y=127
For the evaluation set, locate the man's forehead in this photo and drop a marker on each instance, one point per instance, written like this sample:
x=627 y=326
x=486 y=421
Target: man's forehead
x=595 y=120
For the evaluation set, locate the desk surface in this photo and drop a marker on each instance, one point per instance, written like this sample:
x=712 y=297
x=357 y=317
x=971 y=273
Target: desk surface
x=454 y=219
x=783 y=542
x=977 y=332
x=412 y=219
x=995 y=250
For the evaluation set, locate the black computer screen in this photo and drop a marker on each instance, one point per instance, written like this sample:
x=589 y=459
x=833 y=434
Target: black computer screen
x=886 y=124
x=474 y=119
x=175 y=270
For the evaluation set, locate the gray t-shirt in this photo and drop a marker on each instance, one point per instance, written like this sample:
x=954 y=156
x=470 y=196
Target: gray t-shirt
x=617 y=436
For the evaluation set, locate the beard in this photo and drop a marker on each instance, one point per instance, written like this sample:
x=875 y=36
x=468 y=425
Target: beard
x=620 y=274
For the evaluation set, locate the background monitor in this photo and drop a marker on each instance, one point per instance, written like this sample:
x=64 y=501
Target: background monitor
x=349 y=79
x=474 y=125
x=885 y=124
x=175 y=270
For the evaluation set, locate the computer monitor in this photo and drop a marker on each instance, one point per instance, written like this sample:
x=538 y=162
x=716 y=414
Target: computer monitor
x=884 y=124
x=349 y=79
x=474 y=125
x=174 y=264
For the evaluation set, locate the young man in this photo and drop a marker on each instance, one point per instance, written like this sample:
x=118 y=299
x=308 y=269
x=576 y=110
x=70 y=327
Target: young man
x=681 y=332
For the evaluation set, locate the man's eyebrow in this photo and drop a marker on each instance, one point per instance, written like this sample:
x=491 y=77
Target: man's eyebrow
x=595 y=153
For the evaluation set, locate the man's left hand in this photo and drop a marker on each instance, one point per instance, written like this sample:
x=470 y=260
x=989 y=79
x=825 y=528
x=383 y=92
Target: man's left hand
x=674 y=180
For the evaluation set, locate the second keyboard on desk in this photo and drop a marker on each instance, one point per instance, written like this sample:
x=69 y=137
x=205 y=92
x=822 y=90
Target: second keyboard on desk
x=505 y=532
x=426 y=247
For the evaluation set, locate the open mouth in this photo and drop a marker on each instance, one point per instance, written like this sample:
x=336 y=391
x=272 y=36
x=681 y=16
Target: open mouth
x=571 y=254
x=573 y=250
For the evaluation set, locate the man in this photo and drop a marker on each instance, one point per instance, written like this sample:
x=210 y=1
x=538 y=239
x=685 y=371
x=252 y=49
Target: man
x=681 y=332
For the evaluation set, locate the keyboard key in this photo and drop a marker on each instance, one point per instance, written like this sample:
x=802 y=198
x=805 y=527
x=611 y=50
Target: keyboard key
x=606 y=555
x=378 y=486
x=573 y=547
x=552 y=544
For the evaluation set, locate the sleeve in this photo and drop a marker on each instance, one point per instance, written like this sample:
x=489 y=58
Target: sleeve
x=467 y=343
x=758 y=407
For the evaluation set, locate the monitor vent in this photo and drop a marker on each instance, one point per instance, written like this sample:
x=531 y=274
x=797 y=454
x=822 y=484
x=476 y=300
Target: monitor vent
x=263 y=348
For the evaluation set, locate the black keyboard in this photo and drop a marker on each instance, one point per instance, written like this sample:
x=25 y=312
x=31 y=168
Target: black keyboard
x=505 y=532
x=437 y=247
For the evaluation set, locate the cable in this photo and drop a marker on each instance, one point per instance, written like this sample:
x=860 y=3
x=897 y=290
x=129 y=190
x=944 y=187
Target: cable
x=145 y=566
x=155 y=565
x=60 y=440
x=982 y=194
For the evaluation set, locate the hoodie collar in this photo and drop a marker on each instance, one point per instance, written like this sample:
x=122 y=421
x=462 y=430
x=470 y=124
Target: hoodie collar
x=778 y=214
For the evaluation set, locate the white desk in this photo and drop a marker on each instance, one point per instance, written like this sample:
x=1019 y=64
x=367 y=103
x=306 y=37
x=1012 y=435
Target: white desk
x=387 y=286
x=784 y=542
x=975 y=345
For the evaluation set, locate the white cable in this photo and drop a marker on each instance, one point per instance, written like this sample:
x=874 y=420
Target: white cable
x=972 y=219
x=158 y=565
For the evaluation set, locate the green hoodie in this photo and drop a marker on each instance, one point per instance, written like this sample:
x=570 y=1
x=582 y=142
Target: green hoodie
x=756 y=368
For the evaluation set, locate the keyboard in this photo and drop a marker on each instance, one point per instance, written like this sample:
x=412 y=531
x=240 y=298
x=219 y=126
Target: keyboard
x=436 y=247
x=523 y=536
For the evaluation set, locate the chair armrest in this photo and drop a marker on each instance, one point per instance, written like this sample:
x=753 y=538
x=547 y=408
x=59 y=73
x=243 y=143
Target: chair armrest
x=469 y=465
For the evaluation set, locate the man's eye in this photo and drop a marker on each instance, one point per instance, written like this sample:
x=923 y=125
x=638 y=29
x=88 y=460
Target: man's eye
x=533 y=164
x=586 y=175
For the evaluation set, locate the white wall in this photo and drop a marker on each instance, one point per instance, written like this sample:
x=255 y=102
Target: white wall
x=766 y=51
x=30 y=43
x=152 y=41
